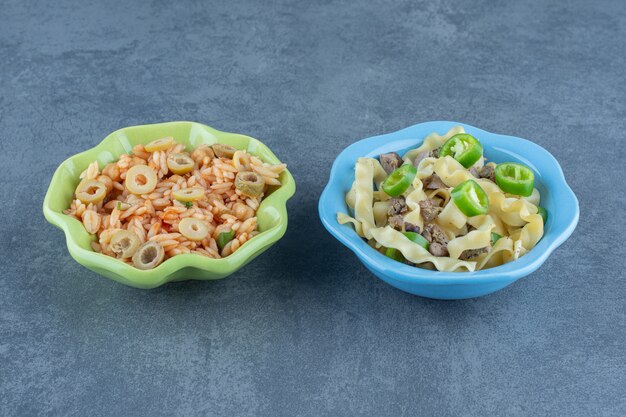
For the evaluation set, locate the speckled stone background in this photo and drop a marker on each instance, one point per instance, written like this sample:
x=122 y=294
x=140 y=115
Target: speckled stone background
x=305 y=330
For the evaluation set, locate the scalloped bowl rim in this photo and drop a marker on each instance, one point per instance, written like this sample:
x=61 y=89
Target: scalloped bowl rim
x=561 y=224
x=162 y=273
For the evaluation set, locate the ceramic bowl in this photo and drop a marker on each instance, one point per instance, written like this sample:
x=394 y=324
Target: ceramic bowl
x=271 y=215
x=556 y=197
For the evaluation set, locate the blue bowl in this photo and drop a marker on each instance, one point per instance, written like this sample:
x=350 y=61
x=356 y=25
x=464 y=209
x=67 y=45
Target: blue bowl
x=556 y=196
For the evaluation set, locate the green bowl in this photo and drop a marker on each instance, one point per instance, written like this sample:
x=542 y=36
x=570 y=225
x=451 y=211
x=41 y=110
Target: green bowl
x=271 y=215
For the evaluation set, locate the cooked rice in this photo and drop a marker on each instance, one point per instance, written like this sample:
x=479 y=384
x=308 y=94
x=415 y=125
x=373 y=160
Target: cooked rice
x=155 y=216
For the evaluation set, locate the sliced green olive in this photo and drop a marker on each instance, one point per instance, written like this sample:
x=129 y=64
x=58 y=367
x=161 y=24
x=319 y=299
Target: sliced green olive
x=159 y=144
x=193 y=229
x=148 y=256
x=249 y=183
x=140 y=179
x=224 y=238
x=223 y=151
x=124 y=243
x=91 y=191
x=180 y=163
x=188 y=194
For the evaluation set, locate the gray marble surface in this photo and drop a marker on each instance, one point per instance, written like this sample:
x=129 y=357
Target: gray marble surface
x=305 y=330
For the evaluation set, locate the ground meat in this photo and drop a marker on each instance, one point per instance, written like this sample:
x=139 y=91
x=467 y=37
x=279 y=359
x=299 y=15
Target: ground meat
x=410 y=227
x=429 y=209
x=474 y=171
x=397 y=205
x=433 y=182
x=428 y=154
x=397 y=222
x=472 y=253
x=435 y=236
x=437 y=249
x=488 y=172
x=433 y=233
x=390 y=161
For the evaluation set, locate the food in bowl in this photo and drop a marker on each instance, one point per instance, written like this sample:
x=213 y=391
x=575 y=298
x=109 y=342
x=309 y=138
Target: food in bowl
x=161 y=200
x=443 y=206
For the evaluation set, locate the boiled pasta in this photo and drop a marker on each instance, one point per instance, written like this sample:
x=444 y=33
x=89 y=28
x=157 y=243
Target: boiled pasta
x=443 y=206
x=160 y=201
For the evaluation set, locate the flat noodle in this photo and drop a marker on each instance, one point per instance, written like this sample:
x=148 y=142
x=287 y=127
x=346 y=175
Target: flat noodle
x=391 y=238
x=351 y=196
x=518 y=250
x=343 y=218
x=490 y=219
x=443 y=193
x=475 y=239
x=379 y=173
x=380 y=212
x=412 y=201
x=452 y=232
x=451 y=215
x=512 y=211
x=380 y=195
x=494 y=257
x=364 y=194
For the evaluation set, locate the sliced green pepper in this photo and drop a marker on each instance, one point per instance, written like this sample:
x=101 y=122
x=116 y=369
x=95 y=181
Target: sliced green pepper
x=494 y=238
x=417 y=238
x=470 y=198
x=399 y=180
x=543 y=213
x=394 y=254
x=225 y=237
x=465 y=148
x=515 y=178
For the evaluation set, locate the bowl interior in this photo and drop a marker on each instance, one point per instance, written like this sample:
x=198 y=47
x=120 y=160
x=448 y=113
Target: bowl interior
x=494 y=151
x=271 y=214
x=556 y=197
